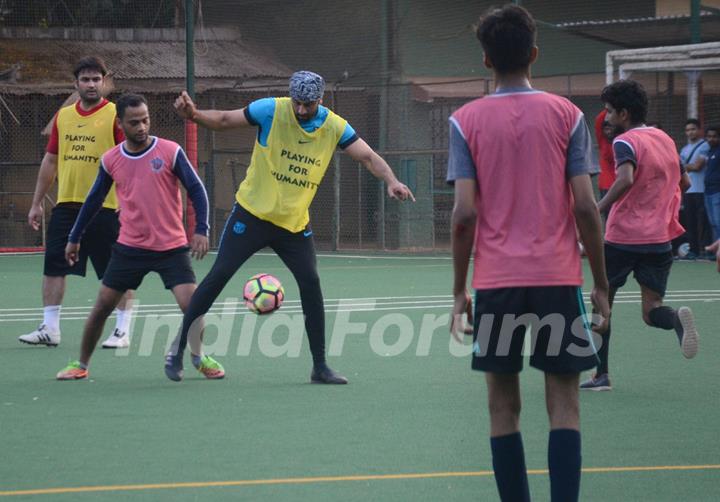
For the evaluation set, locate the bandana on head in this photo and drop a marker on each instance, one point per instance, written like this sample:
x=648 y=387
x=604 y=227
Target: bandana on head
x=306 y=86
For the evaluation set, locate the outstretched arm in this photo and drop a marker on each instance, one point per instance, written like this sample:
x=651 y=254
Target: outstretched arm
x=212 y=119
x=361 y=152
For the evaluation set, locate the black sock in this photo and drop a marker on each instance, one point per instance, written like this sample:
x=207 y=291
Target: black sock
x=663 y=317
x=603 y=353
x=564 y=462
x=509 y=466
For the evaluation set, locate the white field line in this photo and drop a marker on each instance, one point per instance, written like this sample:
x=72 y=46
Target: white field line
x=385 y=303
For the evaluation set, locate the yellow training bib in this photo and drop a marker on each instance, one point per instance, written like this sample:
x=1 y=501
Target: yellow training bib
x=81 y=142
x=283 y=176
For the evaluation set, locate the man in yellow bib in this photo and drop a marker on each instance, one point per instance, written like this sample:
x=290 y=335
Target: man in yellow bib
x=296 y=140
x=81 y=133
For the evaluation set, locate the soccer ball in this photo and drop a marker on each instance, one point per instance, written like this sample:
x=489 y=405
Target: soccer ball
x=263 y=294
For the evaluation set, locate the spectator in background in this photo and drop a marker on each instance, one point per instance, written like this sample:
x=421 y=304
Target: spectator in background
x=604 y=134
x=693 y=157
x=712 y=183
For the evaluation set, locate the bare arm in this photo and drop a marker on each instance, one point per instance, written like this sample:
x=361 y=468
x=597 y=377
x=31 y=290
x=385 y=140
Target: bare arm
x=212 y=119
x=46 y=177
x=623 y=182
x=685 y=182
x=463 y=236
x=361 y=152
x=696 y=166
x=587 y=218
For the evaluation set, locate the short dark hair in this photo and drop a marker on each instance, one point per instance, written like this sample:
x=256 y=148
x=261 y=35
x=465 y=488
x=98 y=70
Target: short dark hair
x=715 y=128
x=92 y=63
x=128 y=101
x=627 y=95
x=694 y=122
x=507 y=36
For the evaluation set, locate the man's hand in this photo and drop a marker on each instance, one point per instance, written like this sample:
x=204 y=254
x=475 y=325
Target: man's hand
x=199 y=246
x=601 y=307
x=72 y=251
x=462 y=305
x=715 y=248
x=184 y=106
x=35 y=216
x=399 y=191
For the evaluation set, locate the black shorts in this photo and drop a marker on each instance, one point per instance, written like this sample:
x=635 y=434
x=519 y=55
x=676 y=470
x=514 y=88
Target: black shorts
x=561 y=340
x=96 y=243
x=129 y=266
x=649 y=269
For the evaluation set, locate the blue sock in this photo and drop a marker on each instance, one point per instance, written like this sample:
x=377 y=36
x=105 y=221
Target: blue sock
x=509 y=466
x=196 y=360
x=564 y=462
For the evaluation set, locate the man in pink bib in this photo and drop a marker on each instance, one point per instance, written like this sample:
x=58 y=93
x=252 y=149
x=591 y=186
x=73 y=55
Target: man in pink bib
x=520 y=162
x=643 y=219
x=147 y=172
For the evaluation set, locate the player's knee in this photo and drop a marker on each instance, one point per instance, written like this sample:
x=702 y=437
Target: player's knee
x=505 y=409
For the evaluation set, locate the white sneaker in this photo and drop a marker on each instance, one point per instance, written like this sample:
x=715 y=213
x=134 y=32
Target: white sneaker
x=118 y=340
x=41 y=336
x=689 y=342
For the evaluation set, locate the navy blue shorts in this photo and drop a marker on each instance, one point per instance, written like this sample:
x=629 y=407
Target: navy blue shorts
x=560 y=340
x=96 y=243
x=649 y=269
x=129 y=266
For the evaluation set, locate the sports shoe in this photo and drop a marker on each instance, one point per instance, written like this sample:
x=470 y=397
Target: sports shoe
x=174 y=367
x=118 y=340
x=687 y=332
x=326 y=375
x=72 y=371
x=209 y=367
x=41 y=336
x=597 y=383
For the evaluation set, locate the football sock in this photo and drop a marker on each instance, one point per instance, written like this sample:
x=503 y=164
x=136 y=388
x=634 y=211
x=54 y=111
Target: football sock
x=122 y=322
x=51 y=317
x=604 y=352
x=564 y=462
x=665 y=318
x=83 y=365
x=196 y=360
x=508 y=459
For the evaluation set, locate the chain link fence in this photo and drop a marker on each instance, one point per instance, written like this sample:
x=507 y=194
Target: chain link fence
x=395 y=69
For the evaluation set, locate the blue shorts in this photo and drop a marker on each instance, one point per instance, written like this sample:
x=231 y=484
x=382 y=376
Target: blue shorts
x=555 y=316
x=129 y=266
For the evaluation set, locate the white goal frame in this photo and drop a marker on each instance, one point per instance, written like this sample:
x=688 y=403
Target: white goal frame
x=690 y=59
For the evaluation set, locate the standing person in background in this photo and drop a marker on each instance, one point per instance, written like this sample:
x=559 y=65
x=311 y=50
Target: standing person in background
x=520 y=163
x=712 y=182
x=693 y=156
x=604 y=134
x=81 y=133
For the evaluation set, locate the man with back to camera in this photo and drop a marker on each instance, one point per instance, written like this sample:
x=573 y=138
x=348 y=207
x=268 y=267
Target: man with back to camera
x=520 y=162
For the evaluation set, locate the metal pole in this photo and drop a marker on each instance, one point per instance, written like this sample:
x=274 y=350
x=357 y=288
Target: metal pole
x=189 y=54
x=191 y=143
x=382 y=133
x=695 y=21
